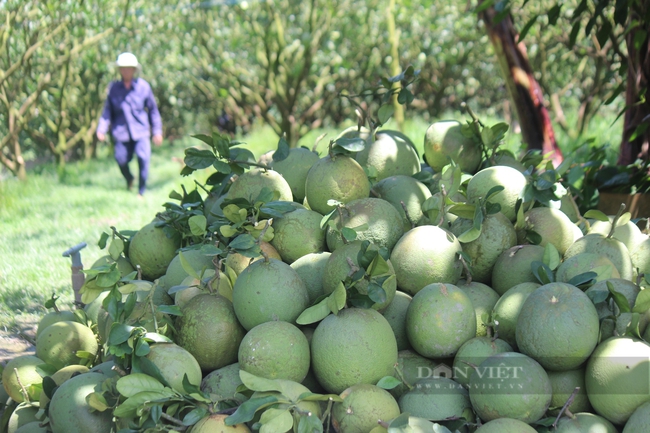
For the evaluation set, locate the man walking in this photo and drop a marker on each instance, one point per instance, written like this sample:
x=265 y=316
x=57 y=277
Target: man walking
x=133 y=116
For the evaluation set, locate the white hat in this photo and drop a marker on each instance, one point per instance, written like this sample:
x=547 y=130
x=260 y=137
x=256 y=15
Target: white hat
x=126 y=60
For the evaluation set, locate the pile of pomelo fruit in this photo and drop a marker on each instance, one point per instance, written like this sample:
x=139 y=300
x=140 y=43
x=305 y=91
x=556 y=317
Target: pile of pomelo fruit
x=367 y=289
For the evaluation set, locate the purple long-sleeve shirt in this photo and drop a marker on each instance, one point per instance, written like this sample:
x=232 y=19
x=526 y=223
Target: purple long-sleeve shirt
x=131 y=113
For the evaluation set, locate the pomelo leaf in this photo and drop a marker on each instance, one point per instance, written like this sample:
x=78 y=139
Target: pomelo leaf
x=551 y=256
x=348 y=234
x=310 y=424
x=198 y=224
x=207 y=139
x=596 y=214
x=198 y=158
x=466 y=211
x=110 y=278
x=315 y=313
x=400 y=421
x=246 y=411
x=195 y=415
x=231 y=212
x=632 y=328
x=148 y=367
x=187 y=266
x=389 y=382
x=276 y=420
x=97 y=401
x=221 y=166
x=624 y=219
x=282 y=152
x=172 y=310
x=142 y=347
x=132 y=404
x=189 y=387
x=116 y=248
x=351 y=144
x=642 y=303
x=83 y=354
x=385 y=112
x=134 y=383
x=494 y=191
x=376 y=293
x=620 y=300
x=119 y=333
x=154 y=337
x=228 y=231
x=242 y=242
x=470 y=235
x=378 y=266
x=101 y=243
x=156 y=412
x=310 y=396
x=266 y=195
x=542 y=272
x=520 y=223
x=257 y=383
x=337 y=299
x=597 y=296
x=533 y=237
x=584 y=278
x=492 y=208
x=49 y=386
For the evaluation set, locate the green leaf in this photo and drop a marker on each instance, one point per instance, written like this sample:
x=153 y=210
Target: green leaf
x=533 y=237
x=551 y=256
x=378 y=266
x=276 y=420
x=282 y=152
x=228 y=231
x=257 y=383
x=195 y=415
x=103 y=238
x=198 y=224
x=470 y=235
x=242 y=242
x=554 y=13
x=400 y=421
x=207 y=139
x=131 y=405
x=119 y=333
x=135 y=383
x=221 y=144
x=187 y=266
x=172 y=310
x=246 y=411
x=310 y=424
x=405 y=96
x=584 y=278
x=198 y=159
x=623 y=219
x=97 y=401
x=109 y=279
x=389 y=382
x=542 y=272
x=596 y=214
x=142 y=347
x=597 y=296
x=355 y=144
x=642 y=303
x=376 y=293
x=348 y=234
x=336 y=300
x=494 y=191
x=466 y=211
x=385 y=112
x=527 y=27
x=620 y=300
x=314 y=313
x=116 y=248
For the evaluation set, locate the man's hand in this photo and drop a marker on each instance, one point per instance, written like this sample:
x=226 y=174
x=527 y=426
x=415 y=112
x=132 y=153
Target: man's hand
x=157 y=139
x=100 y=136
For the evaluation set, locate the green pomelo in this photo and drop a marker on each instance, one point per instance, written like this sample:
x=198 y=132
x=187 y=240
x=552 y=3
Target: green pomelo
x=152 y=250
x=25 y=365
x=497 y=235
x=174 y=363
x=506 y=310
x=249 y=185
x=407 y=190
x=639 y=421
x=222 y=383
x=338 y=178
x=505 y=425
x=586 y=262
x=275 y=350
x=69 y=410
x=363 y=406
x=268 y=290
x=209 y=330
x=294 y=169
x=297 y=234
x=611 y=248
x=238 y=262
x=558 y=326
x=216 y=423
x=310 y=268
x=445 y=141
x=93 y=309
x=514 y=266
x=640 y=257
x=343 y=262
x=628 y=233
x=31 y=427
x=289 y=393
x=354 y=346
x=510 y=385
x=513 y=181
x=617 y=377
x=483 y=299
x=412 y=367
x=53 y=317
x=61 y=376
x=383 y=221
x=389 y=155
x=425 y=255
x=395 y=313
x=564 y=384
x=586 y=422
x=552 y=225
x=58 y=343
x=208 y=284
x=599 y=292
x=474 y=352
x=439 y=320
x=175 y=273
x=437 y=399
x=504 y=157
x=23 y=415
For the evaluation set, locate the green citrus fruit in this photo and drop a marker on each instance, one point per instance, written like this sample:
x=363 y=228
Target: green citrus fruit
x=26 y=368
x=563 y=384
x=222 y=383
x=174 y=363
x=628 y=233
x=472 y=353
x=389 y=154
x=23 y=415
x=586 y=262
x=249 y=185
x=612 y=248
x=425 y=255
x=506 y=310
x=30 y=427
x=61 y=376
x=483 y=298
x=514 y=266
x=266 y=291
x=216 y=423
x=294 y=169
x=437 y=399
x=238 y=262
x=152 y=250
x=53 y=317
x=407 y=190
x=558 y=326
x=513 y=181
x=586 y=422
x=298 y=233
x=552 y=225
x=310 y=268
x=439 y=320
x=395 y=313
x=639 y=421
x=505 y=425
x=363 y=406
x=354 y=346
x=175 y=273
x=58 y=343
x=445 y=141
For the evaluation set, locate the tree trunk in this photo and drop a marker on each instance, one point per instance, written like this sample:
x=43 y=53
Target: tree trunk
x=522 y=86
x=395 y=69
x=636 y=130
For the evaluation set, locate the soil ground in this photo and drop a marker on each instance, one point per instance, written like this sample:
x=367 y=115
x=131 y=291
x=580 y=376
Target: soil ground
x=18 y=341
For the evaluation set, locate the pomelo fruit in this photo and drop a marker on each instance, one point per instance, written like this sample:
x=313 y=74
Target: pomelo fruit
x=294 y=169
x=483 y=299
x=585 y=422
x=275 y=350
x=505 y=425
x=338 y=178
x=209 y=330
x=395 y=313
x=617 y=377
x=153 y=250
x=389 y=154
x=640 y=256
x=238 y=262
x=445 y=141
x=639 y=421
x=439 y=320
x=437 y=399
x=208 y=284
x=513 y=181
x=513 y=266
x=552 y=225
x=628 y=233
x=354 y=346
x=58 y=343
x=26 y=368
x=298 y=233
x=558 y=326
x=174 y=363
x=31 y=427
x=563 y=384
x=216 y=423
x=425 y=255
x=268 y=290
x=249 y=185
x=510 y=385
x=506 y=310
x=223 y=382
x=412 y=368
x=611 y=248
x=472 y=353
x=175 y=274
x=407 y=190
x=586 y=262
x=310 y=268
x=61 y=376
x=504 y=157
x=383 y=221
x=364 y=405
x=23 y=415
x=53 y=317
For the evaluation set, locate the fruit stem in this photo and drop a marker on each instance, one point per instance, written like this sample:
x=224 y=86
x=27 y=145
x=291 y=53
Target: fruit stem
x=23 y=391
x=173 y=420
x=615 y=221
x=465 y=106
x=261 y=236
x=139 y=269
x=401 y=376
x=406 y=212
x=566 y=405
x=468 y=273
x=153 y=312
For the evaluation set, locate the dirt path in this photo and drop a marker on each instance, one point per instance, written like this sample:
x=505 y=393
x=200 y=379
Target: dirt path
x=17 y=343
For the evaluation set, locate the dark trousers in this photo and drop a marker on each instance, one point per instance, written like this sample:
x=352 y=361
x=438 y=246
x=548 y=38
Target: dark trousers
x=124 y=151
